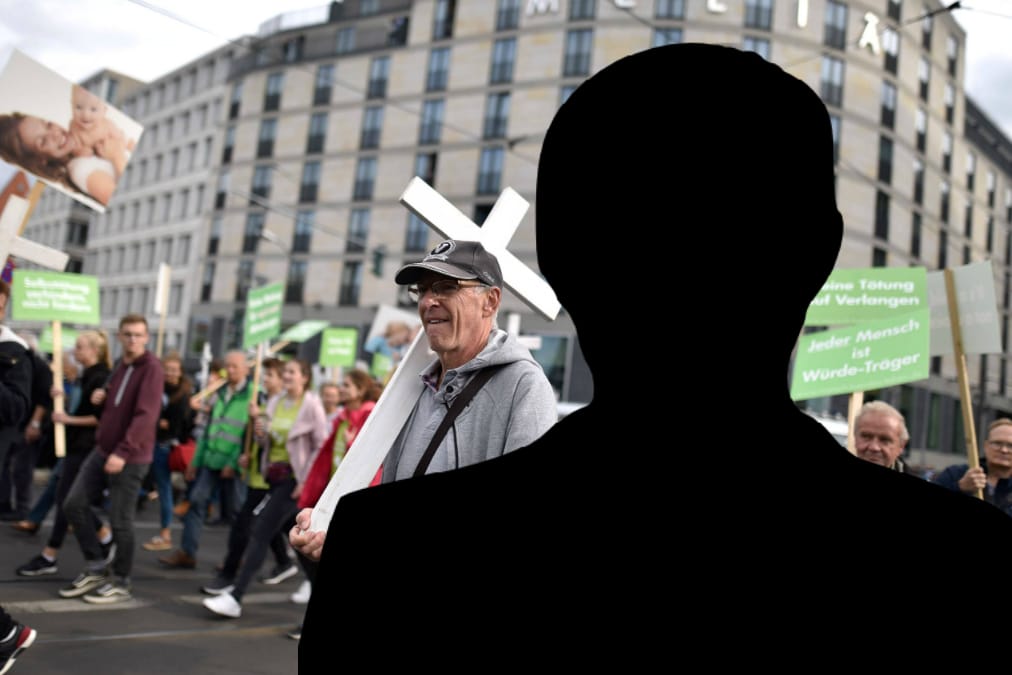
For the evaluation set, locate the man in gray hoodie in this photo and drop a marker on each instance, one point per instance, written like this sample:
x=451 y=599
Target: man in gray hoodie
x=458 y=288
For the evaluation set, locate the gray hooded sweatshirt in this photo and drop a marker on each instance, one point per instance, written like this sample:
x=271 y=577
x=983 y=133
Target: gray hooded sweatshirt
x=514 y=408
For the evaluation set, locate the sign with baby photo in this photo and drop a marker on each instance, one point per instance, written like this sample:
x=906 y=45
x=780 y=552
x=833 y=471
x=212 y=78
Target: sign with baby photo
x=70 y=138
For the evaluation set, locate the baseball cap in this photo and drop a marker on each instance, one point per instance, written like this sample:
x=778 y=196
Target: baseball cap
x=455 y=259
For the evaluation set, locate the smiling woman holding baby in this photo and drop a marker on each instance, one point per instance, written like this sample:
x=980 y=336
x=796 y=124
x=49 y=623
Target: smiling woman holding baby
x=89 y=158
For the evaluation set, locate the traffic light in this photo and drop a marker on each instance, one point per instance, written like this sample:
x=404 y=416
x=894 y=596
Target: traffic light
x=378 y=254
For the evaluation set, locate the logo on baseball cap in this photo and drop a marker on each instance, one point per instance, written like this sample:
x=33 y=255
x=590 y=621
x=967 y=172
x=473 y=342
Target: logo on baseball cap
x=457 y=260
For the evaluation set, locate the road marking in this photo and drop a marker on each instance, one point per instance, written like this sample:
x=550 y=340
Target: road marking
x=61 y=605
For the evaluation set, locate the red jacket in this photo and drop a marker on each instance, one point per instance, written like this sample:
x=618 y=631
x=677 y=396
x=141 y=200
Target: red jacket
x=320 y=472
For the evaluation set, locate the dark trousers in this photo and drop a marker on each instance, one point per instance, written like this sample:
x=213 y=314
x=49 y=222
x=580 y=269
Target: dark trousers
x=71 y=467
x=278 y=513
x=16 y=478
x=239 y=534
x=123 y=487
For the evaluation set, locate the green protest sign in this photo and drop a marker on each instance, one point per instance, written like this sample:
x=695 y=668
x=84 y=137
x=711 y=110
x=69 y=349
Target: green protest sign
x=856 y=295
x=68 y=337
x=338 y=347
x=54 y=296
x=303 y=330
x=381 y=365
x=871 y=355
x=263 y=314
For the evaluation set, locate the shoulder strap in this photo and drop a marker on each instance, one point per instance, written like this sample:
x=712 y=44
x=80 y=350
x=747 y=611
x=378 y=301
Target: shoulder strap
x=459 y=403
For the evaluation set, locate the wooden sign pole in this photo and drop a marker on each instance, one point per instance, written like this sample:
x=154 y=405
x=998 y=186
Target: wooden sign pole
x=966 y=403
x=254 y=392
x=853 y=408
x=59 y=430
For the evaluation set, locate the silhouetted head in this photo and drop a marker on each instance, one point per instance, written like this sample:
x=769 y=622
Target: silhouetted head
x=694 y=183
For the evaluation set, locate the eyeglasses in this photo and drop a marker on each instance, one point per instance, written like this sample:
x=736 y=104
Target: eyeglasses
x=443 y=288
x=133 y=336
x=1000 y=445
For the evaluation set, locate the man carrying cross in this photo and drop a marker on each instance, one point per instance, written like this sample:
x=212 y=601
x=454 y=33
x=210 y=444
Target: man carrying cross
x=458 y=288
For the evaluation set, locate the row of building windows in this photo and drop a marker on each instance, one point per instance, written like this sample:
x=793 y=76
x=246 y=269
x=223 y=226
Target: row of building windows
x=177 y=162
x=489 y=180
x=576 y=63
x=141 y=256
x=60 y=235
x=115 y=302
x=348 y=292
x=179 y=125
x=494 y=126
x=179 y=88
x=155 y=210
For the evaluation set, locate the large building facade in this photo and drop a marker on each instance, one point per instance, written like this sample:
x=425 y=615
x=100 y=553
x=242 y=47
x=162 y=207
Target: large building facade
x=315 y=126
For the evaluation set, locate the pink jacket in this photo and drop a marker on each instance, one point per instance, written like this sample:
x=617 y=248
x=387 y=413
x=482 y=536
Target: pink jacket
x=308 y=433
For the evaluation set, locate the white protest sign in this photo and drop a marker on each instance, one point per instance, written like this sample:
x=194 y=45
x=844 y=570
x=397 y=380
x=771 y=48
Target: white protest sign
x=11 y=243
x=978 y=310
x=400 y=395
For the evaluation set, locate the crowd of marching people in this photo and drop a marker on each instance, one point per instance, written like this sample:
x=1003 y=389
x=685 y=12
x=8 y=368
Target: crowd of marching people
x=215 y=461
x=257 y=443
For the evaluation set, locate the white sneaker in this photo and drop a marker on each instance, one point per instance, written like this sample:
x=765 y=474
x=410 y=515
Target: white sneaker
x=301 y=596
x=224 y=605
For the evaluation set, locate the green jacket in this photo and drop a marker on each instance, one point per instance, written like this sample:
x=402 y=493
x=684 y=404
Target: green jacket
x=223 y=437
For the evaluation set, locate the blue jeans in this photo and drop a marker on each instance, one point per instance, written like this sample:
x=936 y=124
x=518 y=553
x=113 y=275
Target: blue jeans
x=163 y=482
x=47 y=499
x=200 y=496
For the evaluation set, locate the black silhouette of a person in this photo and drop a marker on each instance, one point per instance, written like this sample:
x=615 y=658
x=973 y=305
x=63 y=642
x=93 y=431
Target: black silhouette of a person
x=689 y=186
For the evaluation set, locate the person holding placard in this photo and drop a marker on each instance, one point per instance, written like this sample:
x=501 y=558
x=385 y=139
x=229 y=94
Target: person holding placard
x=292 y=430
x=994 y=475
x=71 y=392
x=215 y=464
x=47 y=499
x=257 y=490
x=81 y=418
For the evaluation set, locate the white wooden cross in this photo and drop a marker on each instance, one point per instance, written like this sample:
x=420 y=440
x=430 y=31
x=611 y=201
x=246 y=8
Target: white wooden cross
x=11 y=243
x=399 y=396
